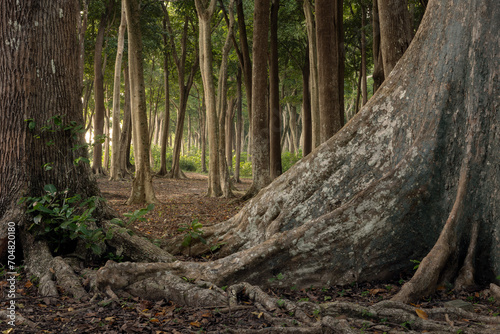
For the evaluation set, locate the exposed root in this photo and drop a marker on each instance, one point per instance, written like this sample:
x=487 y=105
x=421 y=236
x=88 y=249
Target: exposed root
x=425 y=280
x=495 y=291
x=466 y=275
x=67 y=279
x=38 y=260
x=136 y=248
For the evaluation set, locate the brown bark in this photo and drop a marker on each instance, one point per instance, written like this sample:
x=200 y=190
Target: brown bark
x=142 y=186
x=395 y=31
x=378 y=64
x=239 y=127
x=40 y=87
x=260 y=117
x=166 y=116
x=313 y=74
x=246 y=65
x=328 y=45
x=126 y=132
x=115 y=156
x=274 y=97
x=364 y=89
x=205 y=11
x=99 y=92
x=306 y=109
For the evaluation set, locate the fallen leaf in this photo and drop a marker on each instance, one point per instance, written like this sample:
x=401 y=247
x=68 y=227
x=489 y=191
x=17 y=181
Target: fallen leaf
x=110 y=319
x=441 y=288
x=195 y=324
x=154 y=320
x=373 y=292
x=422 y=314
x=258 y=314
x=28 y=285
x=7 y=331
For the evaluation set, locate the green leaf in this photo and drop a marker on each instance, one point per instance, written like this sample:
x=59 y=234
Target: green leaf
x=96 y=249
x=37 y=219
x=50 y=188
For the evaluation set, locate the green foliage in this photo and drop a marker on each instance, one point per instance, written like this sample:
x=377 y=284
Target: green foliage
x=192 y=231
x=60 y=218
x=417 y=264
x=289 y=159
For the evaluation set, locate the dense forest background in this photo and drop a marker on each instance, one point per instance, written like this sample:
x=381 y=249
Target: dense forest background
x=170 y=34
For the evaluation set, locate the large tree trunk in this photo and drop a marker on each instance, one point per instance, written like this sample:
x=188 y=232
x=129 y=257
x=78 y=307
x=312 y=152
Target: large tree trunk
x=40 y=103
x=423 y=151
x=142 y=186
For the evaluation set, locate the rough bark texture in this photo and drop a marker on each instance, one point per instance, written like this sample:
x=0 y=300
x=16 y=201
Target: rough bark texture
x=395 y=31
x=328 y=45
x=422 y=152
x=142 y=186
x=260 y=116
x=39 y=87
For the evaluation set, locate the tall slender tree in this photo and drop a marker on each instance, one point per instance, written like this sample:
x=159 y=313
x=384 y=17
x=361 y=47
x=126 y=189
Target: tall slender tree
x=260 y=116
x=142 y=186
x=395 y=31
x=328 y=24
x=274 y=96
x=99 y=91
x=115 y=153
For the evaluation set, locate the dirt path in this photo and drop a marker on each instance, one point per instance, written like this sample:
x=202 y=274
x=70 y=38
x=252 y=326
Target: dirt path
x=181 y=202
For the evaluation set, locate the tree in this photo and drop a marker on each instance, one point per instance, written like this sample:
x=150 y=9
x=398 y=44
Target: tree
x=115 y=156
x=313 y=74
x=204 y=16
x=395 y=31
x=40 y=106
x=419 y=160
x=274 y=97
x=184 y=83
x=330 y=84
x=260 y=116
x=99 y=92
x=142 y=186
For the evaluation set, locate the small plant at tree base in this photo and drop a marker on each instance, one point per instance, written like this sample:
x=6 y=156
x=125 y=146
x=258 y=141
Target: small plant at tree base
x=417 y=264
x=60 y=218
x=192 y=231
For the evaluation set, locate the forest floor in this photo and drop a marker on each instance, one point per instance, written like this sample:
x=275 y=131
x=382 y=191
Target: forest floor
x=183 y=201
